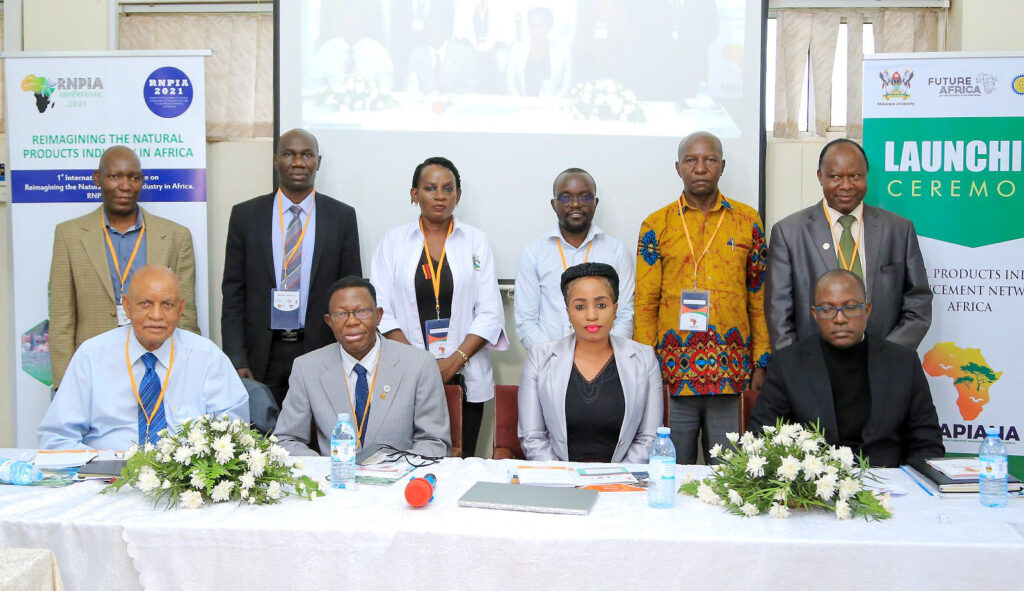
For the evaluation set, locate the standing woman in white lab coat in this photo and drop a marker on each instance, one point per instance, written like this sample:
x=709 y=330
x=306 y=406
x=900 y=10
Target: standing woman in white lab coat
x=436 y=282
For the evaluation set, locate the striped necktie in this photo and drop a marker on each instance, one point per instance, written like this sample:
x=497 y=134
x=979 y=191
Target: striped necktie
x=293 y=272
x=149 y=393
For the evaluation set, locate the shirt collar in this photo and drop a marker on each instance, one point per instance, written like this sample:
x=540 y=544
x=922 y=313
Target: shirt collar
x=136 y=350
x=593 y=233
x=857 y=213
x=414 y=228
x=722 y=202
x=369 y=361
x=306 y=205
x=138 y=222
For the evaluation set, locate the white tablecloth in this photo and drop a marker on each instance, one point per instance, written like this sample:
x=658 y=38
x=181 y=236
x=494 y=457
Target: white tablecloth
x=371 y=539
x=29 y=569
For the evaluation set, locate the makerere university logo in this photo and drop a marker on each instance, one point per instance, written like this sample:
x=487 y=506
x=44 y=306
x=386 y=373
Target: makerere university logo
x=896 y=87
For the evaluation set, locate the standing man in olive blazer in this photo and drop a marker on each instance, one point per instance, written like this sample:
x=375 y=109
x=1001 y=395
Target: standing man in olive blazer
x=87 y=270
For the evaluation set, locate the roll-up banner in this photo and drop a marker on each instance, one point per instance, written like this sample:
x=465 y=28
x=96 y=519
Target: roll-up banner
x=63 y=111
x=943 y=133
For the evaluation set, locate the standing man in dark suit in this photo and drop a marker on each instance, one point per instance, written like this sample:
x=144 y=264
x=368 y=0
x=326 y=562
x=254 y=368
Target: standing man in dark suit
x=868 y=393
x=283 y=251
x=841 y=231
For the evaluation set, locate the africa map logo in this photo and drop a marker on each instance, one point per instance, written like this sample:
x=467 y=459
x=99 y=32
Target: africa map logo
x=971 y=375
x=41 y=88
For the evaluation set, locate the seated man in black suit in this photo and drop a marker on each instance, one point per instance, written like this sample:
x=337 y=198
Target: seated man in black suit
x=869 y=394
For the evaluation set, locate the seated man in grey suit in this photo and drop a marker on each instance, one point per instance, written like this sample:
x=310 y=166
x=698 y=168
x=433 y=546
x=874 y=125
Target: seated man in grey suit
x=393 y=391
x=869 y=393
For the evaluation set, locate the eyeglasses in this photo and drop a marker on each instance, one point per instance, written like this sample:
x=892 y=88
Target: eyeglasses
x=585 y=199
x=361 y=313
x=830 y=312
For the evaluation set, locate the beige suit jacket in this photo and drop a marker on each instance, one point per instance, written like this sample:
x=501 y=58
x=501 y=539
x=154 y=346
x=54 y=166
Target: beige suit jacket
x=82 y=301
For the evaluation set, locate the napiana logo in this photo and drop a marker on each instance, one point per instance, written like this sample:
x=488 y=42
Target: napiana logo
x=896 y=86
x=41 y=88
x=964 y=85
x=1018 y=85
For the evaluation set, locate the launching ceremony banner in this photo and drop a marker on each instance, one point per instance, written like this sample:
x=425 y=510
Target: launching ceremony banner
x=943 y=133
x=63 y=111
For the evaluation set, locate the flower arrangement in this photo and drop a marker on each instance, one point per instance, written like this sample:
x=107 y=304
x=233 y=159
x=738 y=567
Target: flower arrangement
x=211 y=460
x=789 y=467
x=358 y=93
x=606 y=100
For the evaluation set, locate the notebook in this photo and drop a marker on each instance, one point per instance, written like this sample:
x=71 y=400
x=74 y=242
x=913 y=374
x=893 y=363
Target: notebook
x=524 y=497
x=943 y=483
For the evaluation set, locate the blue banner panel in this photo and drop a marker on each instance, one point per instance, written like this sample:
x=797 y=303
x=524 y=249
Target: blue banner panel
x=76 y=186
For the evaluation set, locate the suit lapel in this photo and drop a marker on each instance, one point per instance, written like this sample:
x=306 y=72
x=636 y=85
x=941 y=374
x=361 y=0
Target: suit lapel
x=95 y=247
x=878 y=370
x=265 y=218
x=320 y=238
x=874 y=235
x=157 y=247
x=820 y=388
x=821 y=234
x=559 y=368
x=631 y=385
x=385 y=387
x=337 y=394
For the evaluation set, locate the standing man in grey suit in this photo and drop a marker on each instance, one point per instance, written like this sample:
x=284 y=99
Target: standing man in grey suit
x=393 y=391
x=842 y=232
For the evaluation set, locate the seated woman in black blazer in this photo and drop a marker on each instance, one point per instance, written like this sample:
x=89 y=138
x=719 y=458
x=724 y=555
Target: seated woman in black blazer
x=590 y=396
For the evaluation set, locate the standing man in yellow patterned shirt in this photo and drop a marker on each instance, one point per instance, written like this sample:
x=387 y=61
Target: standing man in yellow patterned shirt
x=699 y=299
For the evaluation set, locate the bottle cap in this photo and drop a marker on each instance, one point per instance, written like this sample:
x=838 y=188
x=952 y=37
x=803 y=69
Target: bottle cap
x=664 y=430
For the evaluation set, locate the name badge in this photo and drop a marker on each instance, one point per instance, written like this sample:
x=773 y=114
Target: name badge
x=437 y=337
x=122 y=316
x=284 y=309
x=694 y=307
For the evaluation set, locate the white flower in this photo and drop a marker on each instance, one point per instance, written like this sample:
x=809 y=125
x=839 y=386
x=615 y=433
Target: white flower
x=274 y=490
x=247 y=481
x=183 y=455
x=780 y=495
x=299 y=465
x=789 y=469
x=245 y=493
x=148 y=480
x=252 y=500
x=197 y=435
x=273 y=438
x=277 y=454
x=768 y=429
x=707 y=494
x=884 y=500
x=715 y=450
x=733 y=437
x=843 y=454
x=257 y=462
x=161 y=457
x=197 y=480
x=780 y=439
x=219 y=425
x=825 y=487
x=237 y=426
x=224 y=448
x=842 y=510
x=166 y=485
x=778 y=511
x=809 y=445
x=831 y=470
x=134 y=449
x=791 y=430
x=755 y=465
x=247 y=440
x=749 y=510
x=688 y=477
x=728 y=455
x=735 y=498
x=847 y=488
x=322 y=483
x=149 y=447
x=813 y=467
x=166 y=446
x=191 y=499
x=754 y=447
x=222 y=491
x=747 y=439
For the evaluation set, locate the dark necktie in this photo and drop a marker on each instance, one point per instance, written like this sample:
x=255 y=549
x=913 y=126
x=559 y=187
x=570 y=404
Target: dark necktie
x=362 y=393
x=847 y=246
x=149 y=393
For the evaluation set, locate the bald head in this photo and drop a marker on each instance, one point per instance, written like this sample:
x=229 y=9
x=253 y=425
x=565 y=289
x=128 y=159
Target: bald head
x=298 y=134
x=700 y=165
x=116 y=153
x=154 y=305
x=700 y=136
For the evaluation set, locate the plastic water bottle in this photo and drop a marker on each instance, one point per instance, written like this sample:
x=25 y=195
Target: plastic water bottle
x=343 y=453
x=20 y=472
x=992 y=470
x=662 y=472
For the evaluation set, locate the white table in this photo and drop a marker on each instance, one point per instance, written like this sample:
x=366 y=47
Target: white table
x=29 y=569
x=371 y=539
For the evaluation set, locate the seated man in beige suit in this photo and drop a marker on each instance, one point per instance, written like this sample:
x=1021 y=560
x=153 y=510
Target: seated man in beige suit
x=95 y=256
x=393 y=391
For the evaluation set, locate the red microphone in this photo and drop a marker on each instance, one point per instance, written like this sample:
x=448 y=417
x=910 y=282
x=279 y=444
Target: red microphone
x=420 y=491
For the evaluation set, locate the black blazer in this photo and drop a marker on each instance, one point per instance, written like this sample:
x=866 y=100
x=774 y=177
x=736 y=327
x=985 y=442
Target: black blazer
x=249 y=277
x=902 y=424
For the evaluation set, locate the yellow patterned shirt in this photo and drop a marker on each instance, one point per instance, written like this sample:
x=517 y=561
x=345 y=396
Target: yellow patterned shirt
x=720 y=360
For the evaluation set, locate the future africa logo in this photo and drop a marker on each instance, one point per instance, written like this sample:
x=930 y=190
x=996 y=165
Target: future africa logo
x=41 y=88
x=971 y=375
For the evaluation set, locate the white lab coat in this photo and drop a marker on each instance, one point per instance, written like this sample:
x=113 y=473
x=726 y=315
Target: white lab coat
x=476 y=301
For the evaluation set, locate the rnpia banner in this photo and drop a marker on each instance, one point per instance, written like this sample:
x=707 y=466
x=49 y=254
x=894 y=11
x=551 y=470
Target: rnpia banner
x=63 y=111
x=943 y=134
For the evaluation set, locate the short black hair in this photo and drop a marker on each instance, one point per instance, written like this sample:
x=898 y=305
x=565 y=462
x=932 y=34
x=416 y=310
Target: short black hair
x=440 y=161
x=842 y=140
x=833 y=273
x=574 y=170
x=353 y=281
x=582 y=270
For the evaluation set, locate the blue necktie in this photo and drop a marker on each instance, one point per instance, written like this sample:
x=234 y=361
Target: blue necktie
x=149 y=393
x=362 y=393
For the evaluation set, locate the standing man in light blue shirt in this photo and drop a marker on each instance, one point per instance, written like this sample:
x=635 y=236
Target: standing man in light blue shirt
x=539 y=306
x=127 y=384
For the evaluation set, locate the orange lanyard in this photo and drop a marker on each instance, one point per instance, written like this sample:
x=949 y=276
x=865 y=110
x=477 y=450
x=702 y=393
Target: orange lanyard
x=856 y=245
x=167 y=378
x=369 y=397
x=113 y=254
x=707 y=247
x=435 y=274
x=288 y=256
x=586 y=259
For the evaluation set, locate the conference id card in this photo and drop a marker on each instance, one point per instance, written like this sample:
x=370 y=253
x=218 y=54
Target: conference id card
x=284 y=309
x=122 y=316
x=437 y=337
x=694 y=307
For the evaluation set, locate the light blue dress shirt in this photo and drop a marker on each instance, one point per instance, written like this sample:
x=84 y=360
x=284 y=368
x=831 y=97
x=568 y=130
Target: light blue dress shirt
x=277 y=244
x=96 y=408
x=539 y=306
x=124 y=244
